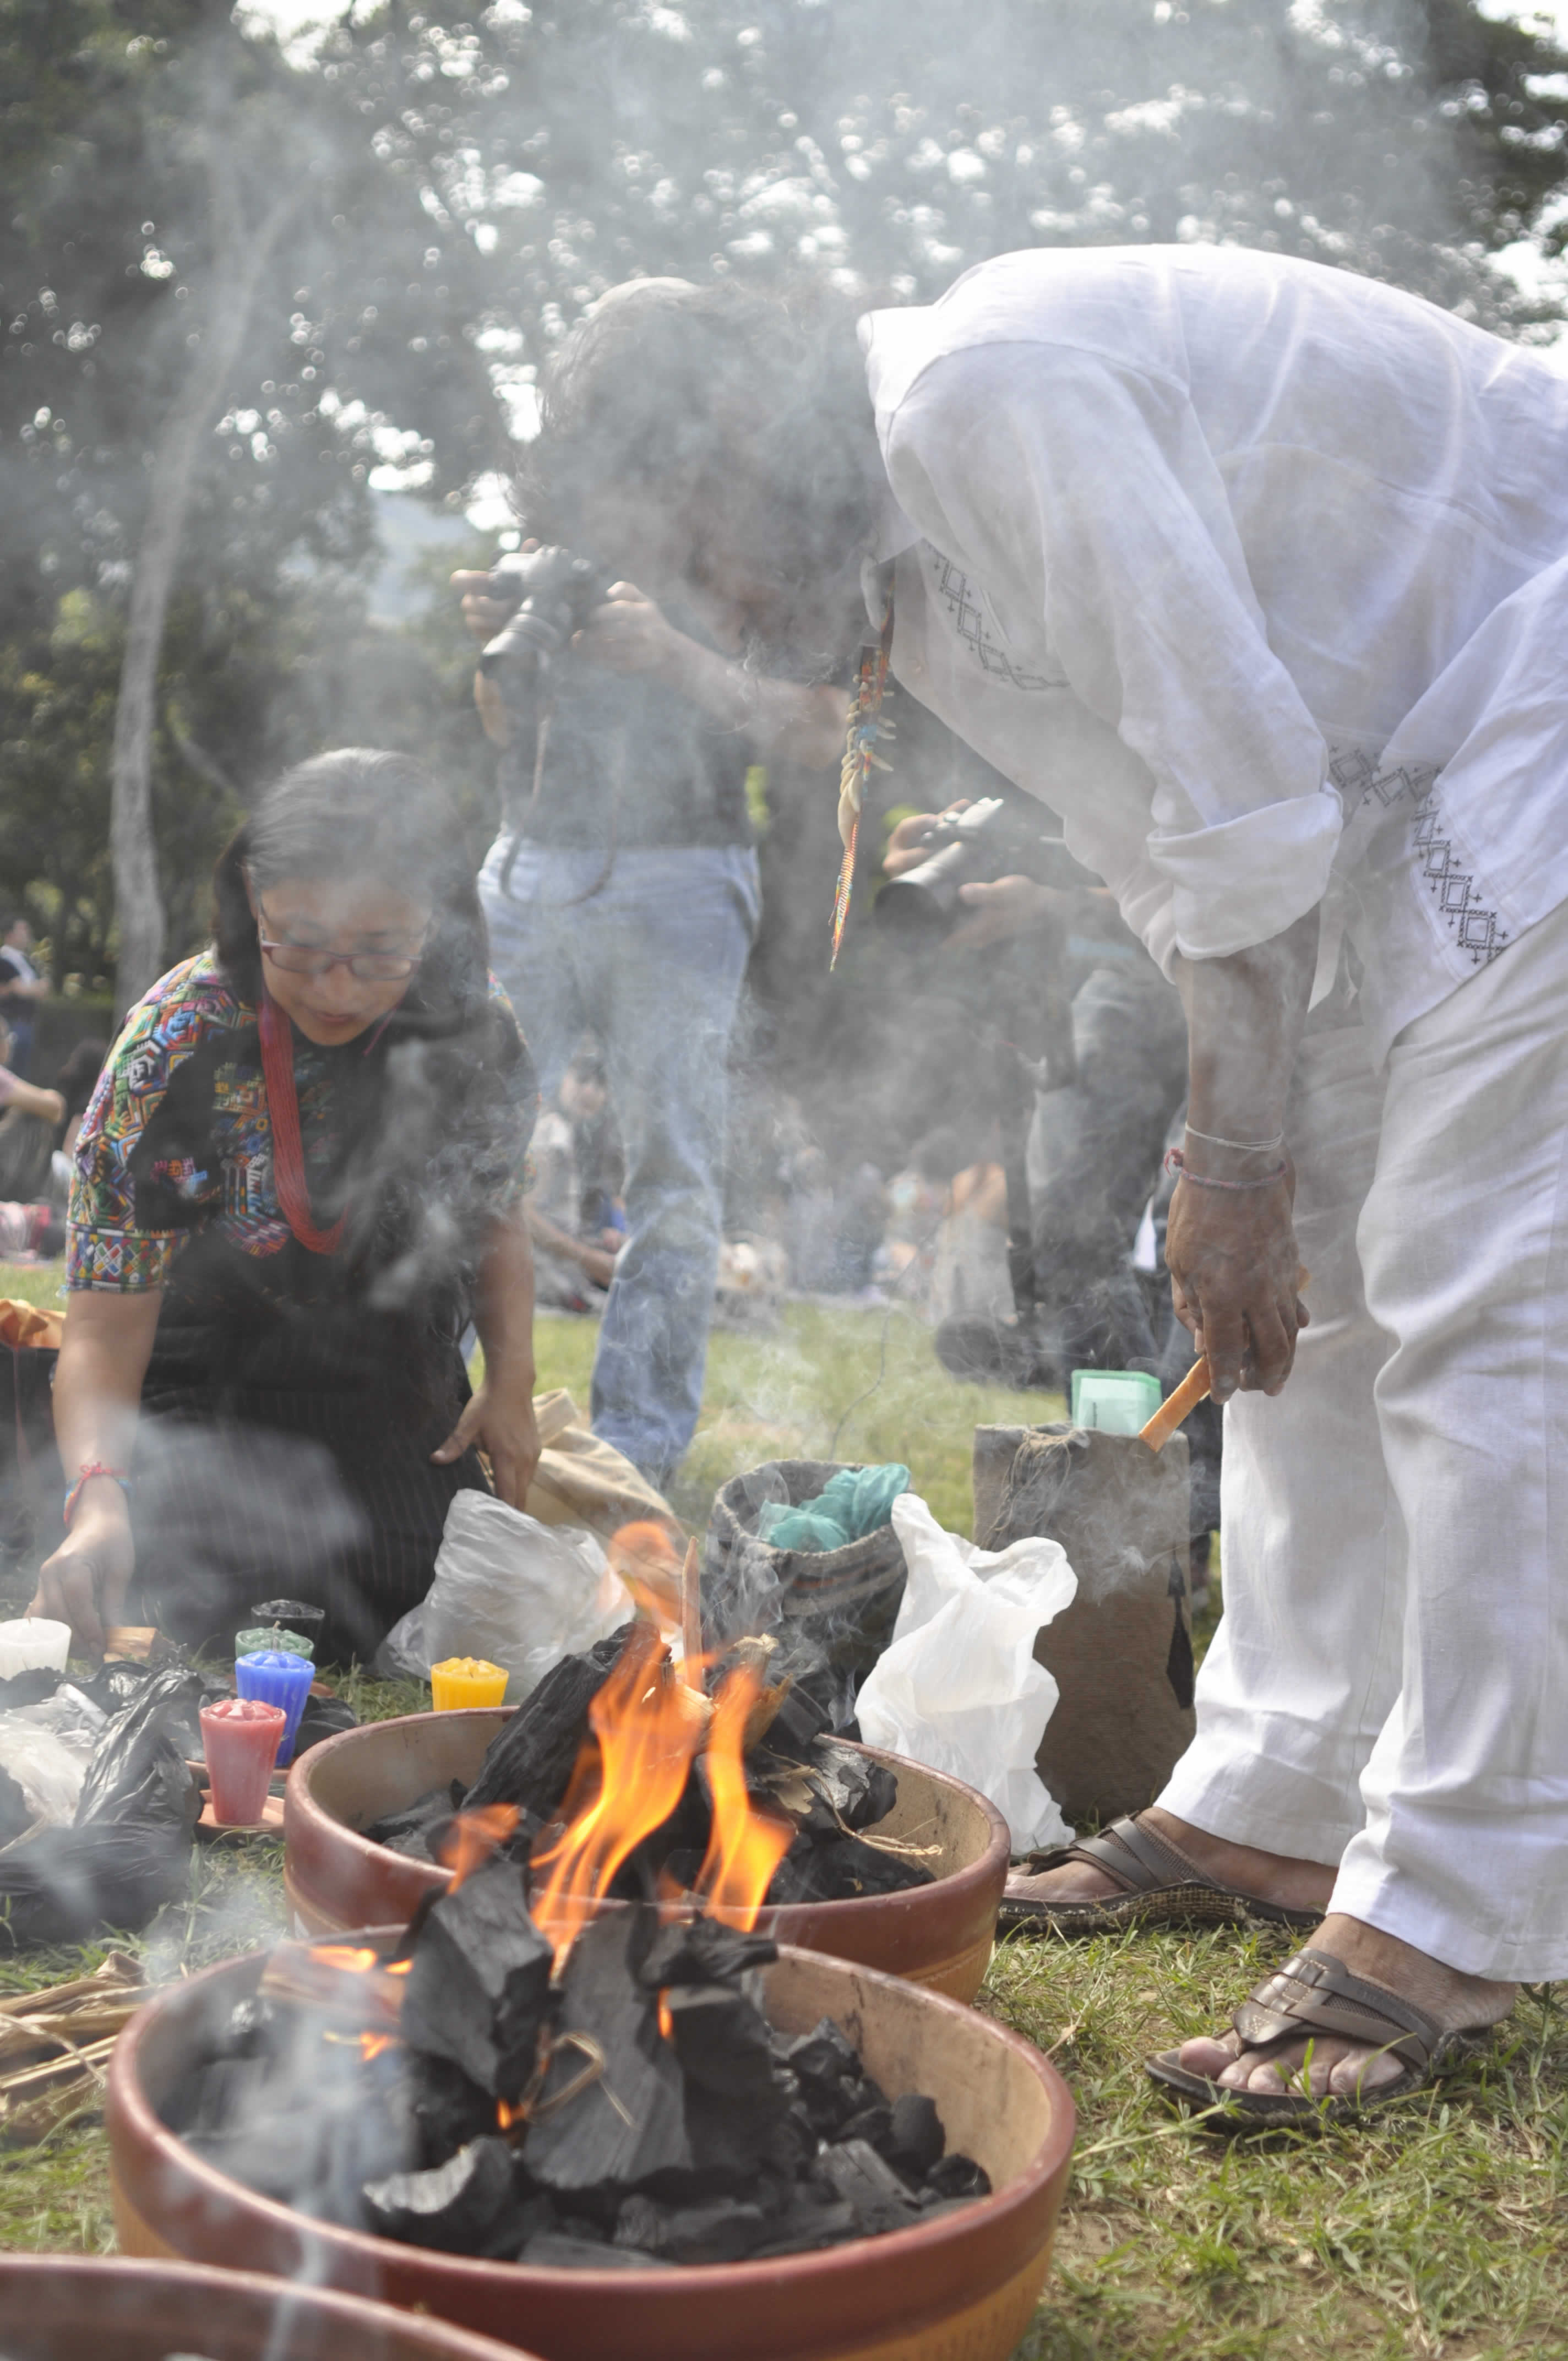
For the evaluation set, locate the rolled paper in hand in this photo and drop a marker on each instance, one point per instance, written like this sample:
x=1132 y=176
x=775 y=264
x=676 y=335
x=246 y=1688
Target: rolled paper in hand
x=240 y=1737
x=461 y=1681
x=278 y=1677
x=1193 y=1388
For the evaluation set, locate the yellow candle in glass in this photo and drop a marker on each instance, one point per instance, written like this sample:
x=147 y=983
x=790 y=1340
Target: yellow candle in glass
x=466 y=1680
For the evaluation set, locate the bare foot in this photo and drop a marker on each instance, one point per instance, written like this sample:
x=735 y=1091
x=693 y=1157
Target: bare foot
x=1340 y=2067
x=1274 y=1877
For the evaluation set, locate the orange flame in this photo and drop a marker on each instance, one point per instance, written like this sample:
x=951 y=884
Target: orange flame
x=666 y=2018
x=649 y=1564
x=473 y=1838
x=646 y=1739
x=371 y=2045
x=354 y=1958
x=506 y=2117
x=746 y=1846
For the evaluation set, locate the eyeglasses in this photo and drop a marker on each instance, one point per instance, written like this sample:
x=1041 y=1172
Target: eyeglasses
x=366 y=967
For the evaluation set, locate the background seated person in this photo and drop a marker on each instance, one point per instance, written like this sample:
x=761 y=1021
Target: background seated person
x=572 y=1210
x=294 y=1186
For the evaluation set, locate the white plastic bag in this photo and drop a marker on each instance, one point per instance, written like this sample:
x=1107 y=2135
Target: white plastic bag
x=511 y=1590
x=958 y=1687
x=48 y=1774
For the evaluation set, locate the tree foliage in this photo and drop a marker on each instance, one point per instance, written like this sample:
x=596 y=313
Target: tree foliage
x=467 y=183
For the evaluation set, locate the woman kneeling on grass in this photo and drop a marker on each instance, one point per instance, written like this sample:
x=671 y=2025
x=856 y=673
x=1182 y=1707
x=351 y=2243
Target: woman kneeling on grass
x=294 y=1187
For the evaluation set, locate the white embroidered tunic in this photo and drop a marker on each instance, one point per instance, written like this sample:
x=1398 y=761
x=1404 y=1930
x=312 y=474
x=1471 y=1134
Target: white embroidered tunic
x=1257 y=573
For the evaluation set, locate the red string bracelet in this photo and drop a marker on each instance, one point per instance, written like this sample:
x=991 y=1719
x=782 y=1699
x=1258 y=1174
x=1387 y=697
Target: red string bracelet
x=86 y=1473
x=1176 y=1162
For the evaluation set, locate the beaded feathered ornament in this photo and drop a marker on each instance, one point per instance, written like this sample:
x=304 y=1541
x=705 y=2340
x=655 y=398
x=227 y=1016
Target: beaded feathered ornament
x=869 y=727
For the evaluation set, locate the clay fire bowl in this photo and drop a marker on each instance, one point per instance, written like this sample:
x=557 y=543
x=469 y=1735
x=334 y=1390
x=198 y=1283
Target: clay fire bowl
x=962 y=2288
x=939 y=1935
x=58 y=2307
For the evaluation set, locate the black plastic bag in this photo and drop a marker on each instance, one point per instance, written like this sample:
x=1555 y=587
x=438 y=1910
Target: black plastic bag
x=64 y=1884
x=139 y=1772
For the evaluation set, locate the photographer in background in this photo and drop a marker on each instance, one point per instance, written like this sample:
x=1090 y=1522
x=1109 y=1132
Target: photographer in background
x=1096 y=1138
x=623 y=897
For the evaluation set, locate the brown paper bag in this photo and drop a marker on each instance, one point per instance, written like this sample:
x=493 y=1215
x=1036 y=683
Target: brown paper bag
x=1122 y=1653
x=581 y=1480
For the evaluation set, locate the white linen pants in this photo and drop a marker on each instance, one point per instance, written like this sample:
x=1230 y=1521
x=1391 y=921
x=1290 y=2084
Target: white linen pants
x=1388 y=1686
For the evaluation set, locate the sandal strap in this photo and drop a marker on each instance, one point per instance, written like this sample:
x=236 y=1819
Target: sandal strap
x=1317 y=1994
x=1135 y=1855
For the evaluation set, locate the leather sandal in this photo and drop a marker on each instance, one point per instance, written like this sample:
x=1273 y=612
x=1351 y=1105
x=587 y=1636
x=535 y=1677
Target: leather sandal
x=1316 y=1994
x=1163 y=1888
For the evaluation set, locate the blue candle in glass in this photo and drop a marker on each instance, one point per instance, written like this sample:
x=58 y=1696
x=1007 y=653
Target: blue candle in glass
x=278 y=1677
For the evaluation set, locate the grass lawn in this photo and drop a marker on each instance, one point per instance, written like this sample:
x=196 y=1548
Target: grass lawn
x=1440 y=2233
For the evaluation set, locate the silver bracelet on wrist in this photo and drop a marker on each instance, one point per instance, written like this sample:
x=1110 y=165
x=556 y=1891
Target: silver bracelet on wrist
x=1242 y=1146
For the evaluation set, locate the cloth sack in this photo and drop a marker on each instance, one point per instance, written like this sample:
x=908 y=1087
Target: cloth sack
x=833 y=1611
x=518 y=1593
x=1122 y=1655
x=960 y=1688
x=855 y=1502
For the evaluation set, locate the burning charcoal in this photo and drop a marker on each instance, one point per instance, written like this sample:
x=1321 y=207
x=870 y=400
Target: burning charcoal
x=252 y=2029
x=809 y=2222
x=852 y=2170
x=530 y=1759
x=957 y=2176
x=230 y=2090
x=703 y=1950
x=627 y=2121
x=842 y=1868
x=798 y=1723
x=555 y=2251
x=828 y=2073
x=479 y=1987
x=448 y=2110
x=469 y=2205
x=724 y=2230
x=722 y=2040
x=915 y=2138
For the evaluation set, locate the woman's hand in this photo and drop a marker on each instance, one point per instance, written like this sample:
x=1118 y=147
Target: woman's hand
x=84 y=1582
x=630 y=634
x=1234 y=1269
x=501 y=1420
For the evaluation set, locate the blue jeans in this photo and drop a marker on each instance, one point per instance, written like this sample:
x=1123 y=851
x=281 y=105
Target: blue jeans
x=651 y=963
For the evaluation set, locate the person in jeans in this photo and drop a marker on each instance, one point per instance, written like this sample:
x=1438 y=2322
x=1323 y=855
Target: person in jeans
x=623 y=897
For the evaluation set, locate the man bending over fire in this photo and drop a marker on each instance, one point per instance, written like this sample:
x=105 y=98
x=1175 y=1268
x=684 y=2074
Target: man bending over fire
x=1257 y=572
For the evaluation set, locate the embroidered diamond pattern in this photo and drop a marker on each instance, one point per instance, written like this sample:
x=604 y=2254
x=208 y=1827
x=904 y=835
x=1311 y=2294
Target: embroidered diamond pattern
x=969 y=622
x=1475 y=928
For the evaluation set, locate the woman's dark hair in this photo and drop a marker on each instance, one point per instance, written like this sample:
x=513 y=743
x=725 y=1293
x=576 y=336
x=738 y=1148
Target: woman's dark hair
x=428 y=1105
x=78 y=1077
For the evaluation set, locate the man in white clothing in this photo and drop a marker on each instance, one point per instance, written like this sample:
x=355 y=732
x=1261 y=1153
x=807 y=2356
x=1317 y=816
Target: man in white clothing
x=1257 y=573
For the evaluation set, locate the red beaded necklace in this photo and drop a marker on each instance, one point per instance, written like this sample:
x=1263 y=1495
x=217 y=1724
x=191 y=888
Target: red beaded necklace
x=287 y=1152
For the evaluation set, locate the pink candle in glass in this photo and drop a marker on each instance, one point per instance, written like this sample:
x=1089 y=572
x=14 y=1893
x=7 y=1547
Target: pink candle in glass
x=240 y=1737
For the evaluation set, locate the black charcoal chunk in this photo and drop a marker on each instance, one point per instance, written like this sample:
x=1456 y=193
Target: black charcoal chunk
x=627 y=2121
x=407 y=1829
x=915 y=2139
x=530 y=1759
x=553 y=2250
x=479 y=1988
x=703 y=1950
x=852 y=2170
x=722 y=2040
x=723 y=2230
x=448 y=2110
x=957 y=2176
x=871 y=2123
x=469 y=2205
x=882 y=1794
x=807 y=2223
x=842 y=1868
x=796 y=1726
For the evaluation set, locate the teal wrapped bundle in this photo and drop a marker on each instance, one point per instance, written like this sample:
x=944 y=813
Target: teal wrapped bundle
x=855 y=1502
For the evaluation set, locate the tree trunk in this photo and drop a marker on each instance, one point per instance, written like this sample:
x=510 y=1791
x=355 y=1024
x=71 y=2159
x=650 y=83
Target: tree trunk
x=240 y=257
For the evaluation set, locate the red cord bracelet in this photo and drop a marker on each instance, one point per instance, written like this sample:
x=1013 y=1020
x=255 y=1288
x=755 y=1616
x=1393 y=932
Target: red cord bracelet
x=1176 y=1162
x=85 y=1474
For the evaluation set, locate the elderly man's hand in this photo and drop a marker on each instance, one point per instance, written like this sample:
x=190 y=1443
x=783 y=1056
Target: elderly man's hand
x=911 y=840
x=1004 y=908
